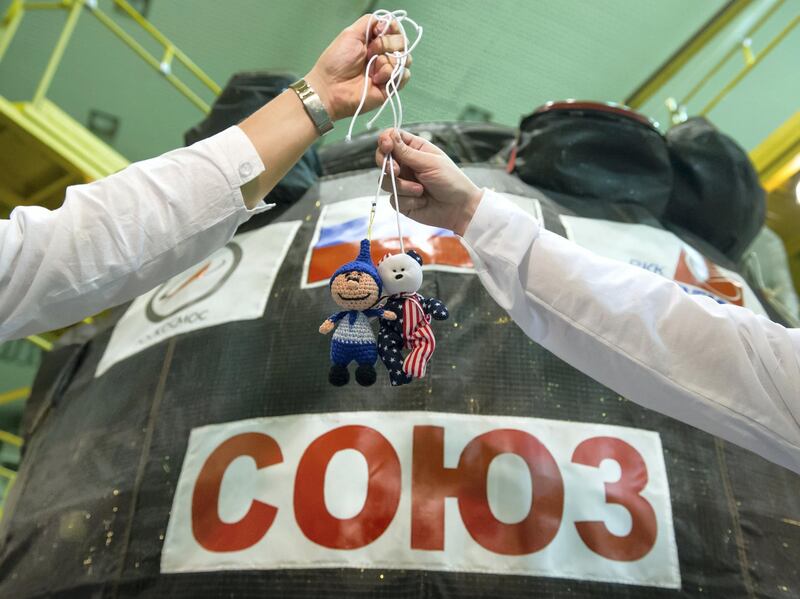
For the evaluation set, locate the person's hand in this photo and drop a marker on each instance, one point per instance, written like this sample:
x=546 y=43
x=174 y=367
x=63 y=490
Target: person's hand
x=338 y=75
x=326 y=327
x=431 y=189
x=389 y=315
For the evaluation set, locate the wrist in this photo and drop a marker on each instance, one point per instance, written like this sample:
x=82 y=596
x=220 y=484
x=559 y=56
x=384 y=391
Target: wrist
x=468 y=211
x=317 y=83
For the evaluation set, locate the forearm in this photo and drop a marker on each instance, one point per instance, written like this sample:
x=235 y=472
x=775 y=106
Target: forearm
x=717 y=367
x=281 y=131
x=118 y=237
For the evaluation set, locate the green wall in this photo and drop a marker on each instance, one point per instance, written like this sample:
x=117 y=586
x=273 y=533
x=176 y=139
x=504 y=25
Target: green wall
x=765 y=98
x=19 y=361
x=506 y=56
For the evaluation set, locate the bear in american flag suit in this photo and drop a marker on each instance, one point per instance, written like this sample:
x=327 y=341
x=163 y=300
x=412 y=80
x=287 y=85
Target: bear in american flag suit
x=402 y=276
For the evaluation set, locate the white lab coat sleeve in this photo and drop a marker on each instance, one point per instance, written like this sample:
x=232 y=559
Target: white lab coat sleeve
x=118 y=237
x=720 y=368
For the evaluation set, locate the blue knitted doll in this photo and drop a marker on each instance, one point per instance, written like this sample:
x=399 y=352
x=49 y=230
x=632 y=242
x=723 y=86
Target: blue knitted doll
x=356 y=287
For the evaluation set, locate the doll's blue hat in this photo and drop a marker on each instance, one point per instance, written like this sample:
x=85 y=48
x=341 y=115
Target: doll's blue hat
x=362 y=263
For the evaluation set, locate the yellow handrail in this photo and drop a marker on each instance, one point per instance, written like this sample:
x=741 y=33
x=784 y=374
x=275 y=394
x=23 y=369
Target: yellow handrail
x=40 y=342
x=127 y=39
x=9 y=25
x=169 y=46
x=731 y=53
x=10 y=438
x=58 y=51
x=778 y=157
x=758 y=58
x=689 y=50
x=15 y=12
x=14 y=395
x=46 y=5
x=698 y=42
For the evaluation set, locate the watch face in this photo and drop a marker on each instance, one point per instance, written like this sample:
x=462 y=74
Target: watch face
x=195 y=284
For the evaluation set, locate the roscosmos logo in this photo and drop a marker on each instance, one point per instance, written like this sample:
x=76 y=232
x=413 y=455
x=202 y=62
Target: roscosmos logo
x=232 y=284
x=195 y=285
x=422 y=490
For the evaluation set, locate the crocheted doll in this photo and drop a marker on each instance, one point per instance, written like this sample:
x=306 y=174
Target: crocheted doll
x=356 y=287
x=402 y=277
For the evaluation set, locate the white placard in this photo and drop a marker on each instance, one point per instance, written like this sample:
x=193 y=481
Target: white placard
x=663 y=253
x=424 y=490
x=232 y=284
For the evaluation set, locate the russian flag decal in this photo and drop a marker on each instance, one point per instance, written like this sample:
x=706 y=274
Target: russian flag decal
x=342 y=226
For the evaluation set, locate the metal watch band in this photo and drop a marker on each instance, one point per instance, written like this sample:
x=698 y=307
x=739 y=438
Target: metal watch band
x=313 y=105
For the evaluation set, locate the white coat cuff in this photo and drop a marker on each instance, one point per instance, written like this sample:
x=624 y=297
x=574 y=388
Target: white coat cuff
x=239 y=161
x=500 y=228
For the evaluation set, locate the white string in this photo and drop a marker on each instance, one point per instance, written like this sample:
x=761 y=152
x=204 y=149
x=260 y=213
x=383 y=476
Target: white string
x=386 y=18
x=396 y=204
x=375 y=199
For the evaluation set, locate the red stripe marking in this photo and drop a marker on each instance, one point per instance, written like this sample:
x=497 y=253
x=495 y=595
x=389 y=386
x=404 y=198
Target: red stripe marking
x=408 y=318
x=422 y=344
x=428 y=348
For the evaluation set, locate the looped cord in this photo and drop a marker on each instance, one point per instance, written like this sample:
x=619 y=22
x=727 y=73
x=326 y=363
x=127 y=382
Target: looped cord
x=386 y=18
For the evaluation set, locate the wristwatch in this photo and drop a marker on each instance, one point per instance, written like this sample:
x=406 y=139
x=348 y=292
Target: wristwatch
x=313 y=105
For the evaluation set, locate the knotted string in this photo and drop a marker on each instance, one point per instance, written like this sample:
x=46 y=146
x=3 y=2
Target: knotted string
x=386 y=18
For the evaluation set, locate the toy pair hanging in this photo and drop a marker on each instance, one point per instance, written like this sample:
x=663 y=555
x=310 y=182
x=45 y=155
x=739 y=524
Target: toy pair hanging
x=357 y=286
x=405 y=318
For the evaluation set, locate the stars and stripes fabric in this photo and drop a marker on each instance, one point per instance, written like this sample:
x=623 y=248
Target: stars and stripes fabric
x=391 y=343
x=435 y=308
x=411 y=331
x=418 y=336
